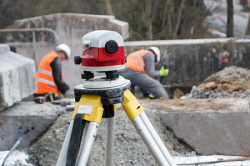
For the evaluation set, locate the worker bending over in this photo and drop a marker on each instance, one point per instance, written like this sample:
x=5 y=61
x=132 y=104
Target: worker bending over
x=140 y=70
x=49 y=76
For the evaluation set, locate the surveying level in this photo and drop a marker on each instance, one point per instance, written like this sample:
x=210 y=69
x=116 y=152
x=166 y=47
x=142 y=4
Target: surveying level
x=98 y=96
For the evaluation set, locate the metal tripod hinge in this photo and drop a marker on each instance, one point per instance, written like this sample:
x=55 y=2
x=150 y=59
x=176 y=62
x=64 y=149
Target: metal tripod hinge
x=91 y=107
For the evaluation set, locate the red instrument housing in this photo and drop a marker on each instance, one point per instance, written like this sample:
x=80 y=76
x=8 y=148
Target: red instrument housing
x=98 y=57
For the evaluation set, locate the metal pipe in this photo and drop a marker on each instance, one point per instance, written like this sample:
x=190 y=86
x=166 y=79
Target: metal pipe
x=89 y=163
x=88 y=143
x=110 y=136
x=157 y=139
x=34 y=47
x=20 y=44
x=149 y=141
x=34 y=30
x=63 y=154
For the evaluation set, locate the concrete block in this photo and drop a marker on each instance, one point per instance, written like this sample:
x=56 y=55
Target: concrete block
x=208 y=126
x=17 y=77
x=26 y=114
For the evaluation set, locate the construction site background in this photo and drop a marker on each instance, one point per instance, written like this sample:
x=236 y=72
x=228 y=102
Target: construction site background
x=209 y=114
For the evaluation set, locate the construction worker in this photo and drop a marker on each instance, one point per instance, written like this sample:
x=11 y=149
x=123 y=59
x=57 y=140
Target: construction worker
x=49 y=76
x=140 y=70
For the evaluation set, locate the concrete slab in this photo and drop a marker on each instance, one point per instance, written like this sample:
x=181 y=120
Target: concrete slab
x=209 y=126
x=17 y=77
x=26 y=114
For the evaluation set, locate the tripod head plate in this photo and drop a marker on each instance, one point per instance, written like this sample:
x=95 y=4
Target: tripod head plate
x=104 y=83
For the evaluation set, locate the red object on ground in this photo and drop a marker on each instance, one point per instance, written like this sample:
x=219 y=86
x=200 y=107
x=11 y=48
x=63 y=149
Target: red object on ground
x=224 y=59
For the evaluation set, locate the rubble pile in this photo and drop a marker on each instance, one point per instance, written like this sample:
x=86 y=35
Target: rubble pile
x=231 y=82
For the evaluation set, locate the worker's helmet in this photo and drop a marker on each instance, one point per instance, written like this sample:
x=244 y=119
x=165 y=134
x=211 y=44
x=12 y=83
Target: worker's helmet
x=65 y=48
x=157 y=53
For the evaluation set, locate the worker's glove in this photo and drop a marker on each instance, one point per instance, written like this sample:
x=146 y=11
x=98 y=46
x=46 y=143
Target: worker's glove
x=163 y=72
x=150 y=96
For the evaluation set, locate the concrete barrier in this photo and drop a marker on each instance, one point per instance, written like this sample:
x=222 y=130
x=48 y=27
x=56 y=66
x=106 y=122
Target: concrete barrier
x=208 y=126
x=26 y=114
x=17 y=77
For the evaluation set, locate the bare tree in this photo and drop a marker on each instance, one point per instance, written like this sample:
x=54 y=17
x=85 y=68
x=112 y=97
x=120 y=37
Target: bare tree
x=179 y=19
x=149 y=15
x=108 y=6
x=148 y=18
x=230 y=18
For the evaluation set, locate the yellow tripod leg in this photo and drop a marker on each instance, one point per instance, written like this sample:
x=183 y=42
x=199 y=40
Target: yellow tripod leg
x=92 y=108
x=145 y=129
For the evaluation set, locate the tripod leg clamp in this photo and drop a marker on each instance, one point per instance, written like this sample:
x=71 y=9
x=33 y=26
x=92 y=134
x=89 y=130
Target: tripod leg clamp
x=91 y=106
x=131 y=105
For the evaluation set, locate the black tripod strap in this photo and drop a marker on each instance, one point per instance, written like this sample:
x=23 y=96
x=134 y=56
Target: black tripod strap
x=75 y=140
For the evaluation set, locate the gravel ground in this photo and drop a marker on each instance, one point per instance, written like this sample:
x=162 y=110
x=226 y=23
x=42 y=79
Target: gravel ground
x=218 y=95
x=129 y=149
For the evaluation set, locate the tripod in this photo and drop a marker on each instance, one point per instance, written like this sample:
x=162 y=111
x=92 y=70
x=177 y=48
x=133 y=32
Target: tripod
x=97 y=99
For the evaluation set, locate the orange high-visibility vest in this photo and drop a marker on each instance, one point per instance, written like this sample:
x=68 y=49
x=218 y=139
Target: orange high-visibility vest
x=44 y=77
x=135 y=60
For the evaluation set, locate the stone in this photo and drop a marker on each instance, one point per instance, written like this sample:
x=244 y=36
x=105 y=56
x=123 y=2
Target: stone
x=178 y=93
x=211 y=85
x=223 y=81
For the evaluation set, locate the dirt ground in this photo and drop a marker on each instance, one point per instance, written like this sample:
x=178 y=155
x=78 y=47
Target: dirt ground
x=129 y=148
x=194 y=105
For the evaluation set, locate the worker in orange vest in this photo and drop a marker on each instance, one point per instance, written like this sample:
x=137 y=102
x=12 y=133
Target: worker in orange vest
x=49 y=76
x=140 y=70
